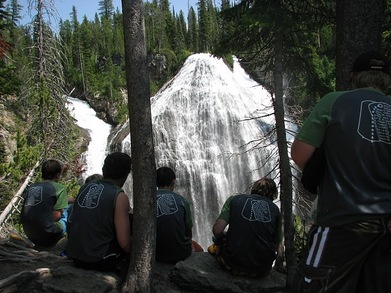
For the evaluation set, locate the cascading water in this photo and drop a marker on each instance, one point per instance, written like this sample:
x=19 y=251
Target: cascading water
x=203 y=129
x=98 y=130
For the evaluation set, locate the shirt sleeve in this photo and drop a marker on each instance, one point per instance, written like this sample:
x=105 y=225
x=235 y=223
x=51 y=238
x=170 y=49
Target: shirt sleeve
x=314 y=127
x=62 y=197
x=226 y=209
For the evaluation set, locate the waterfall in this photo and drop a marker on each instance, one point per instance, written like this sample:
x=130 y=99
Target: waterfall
x=205 y=128
x=98 y=131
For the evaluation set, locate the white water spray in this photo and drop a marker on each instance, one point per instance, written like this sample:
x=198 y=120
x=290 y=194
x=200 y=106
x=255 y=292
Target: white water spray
x=98 y=130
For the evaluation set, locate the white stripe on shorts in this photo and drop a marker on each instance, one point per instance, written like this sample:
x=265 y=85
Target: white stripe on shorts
x=317 y=248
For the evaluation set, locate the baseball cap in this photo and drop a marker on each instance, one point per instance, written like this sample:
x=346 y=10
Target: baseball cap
x=371 y=60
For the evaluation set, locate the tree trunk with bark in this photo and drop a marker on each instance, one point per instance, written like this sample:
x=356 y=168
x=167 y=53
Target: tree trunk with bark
x=285 y=169
x=139 y=278
x=359 y=29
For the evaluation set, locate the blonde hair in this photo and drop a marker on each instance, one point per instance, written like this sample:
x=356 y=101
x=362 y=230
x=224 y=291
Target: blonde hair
x=266 y=187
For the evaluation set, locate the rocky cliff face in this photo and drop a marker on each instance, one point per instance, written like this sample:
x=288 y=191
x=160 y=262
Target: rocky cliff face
x=28 y=270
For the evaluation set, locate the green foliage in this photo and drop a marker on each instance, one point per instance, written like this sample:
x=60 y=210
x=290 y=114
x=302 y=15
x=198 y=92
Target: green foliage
x=9 y=80
x=182 y=56
x=308 y=45
x=386 y=48
x=2 y=158
x=123 y=113
x=229 y=60
x=153 y=86
x=14 y=172
x=300 y=238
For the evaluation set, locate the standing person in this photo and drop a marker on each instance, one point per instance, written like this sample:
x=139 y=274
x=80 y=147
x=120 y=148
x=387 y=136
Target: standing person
x=249 y=246
x=354 y=196
x=174 y=220
x=43 y=207
x=100 y=229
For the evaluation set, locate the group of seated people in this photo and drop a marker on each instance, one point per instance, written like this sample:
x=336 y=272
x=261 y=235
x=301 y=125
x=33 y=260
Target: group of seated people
x=98 y=225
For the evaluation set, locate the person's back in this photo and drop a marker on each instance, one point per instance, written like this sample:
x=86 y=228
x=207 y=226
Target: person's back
x=99 y=223
x=174 y=222
x=250 y=244
x=92 y=221
x=43 y=206
x=356 y=182
x=252 y=234
x=346 y=250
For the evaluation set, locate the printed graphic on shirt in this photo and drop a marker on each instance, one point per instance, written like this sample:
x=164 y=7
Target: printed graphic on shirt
x=374 y=123
x=90 y=197
x=166 y=205
x=34 y=196
x=256 y=210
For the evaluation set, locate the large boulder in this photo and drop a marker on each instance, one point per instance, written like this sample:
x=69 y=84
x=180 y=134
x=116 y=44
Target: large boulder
x=28 y=270
x=201 y=273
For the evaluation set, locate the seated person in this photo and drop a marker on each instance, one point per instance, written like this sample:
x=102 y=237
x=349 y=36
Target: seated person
x=99 y=223
x=174 y=220
x=93 y=177
x=250 y=244
x=43 y=207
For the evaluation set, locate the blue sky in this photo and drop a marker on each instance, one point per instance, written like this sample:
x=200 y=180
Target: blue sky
x=90 y=7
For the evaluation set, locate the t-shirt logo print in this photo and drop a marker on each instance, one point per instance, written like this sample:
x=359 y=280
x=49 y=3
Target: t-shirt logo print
x=375 y=122
x=34 y=196
x=166 y=205
x=256 y=210
x=89 y=198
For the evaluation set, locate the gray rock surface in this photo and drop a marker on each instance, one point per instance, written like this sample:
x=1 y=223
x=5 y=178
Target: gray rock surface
x=28 y=270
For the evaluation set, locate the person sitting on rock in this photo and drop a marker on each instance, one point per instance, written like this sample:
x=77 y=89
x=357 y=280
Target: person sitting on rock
x=43 y=207
x=100 y=236
x=174 y=221
x=93 y=177
x=250 y=244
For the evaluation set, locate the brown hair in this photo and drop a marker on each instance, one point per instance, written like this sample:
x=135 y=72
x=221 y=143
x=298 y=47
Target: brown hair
x=266 y=187
x=371 y=78
x=50 y=169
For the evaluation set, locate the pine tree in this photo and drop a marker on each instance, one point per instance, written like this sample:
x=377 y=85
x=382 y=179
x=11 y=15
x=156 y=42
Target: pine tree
x=106 y=8
x=45 y=89
x=192 y=35
x=180 y=41
x=14 y=11
x=205 y=26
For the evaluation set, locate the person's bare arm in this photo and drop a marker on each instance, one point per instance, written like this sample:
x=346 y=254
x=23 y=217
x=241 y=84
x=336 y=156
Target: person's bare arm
x=121 y=222
x=301 y=152
x=218 y=227
x=56 y=215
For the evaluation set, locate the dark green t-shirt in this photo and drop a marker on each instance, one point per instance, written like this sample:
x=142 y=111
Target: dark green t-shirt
x=174 y=224
x=253 y=233
x=91 y=222
x=36 y=216
x=355 y=127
